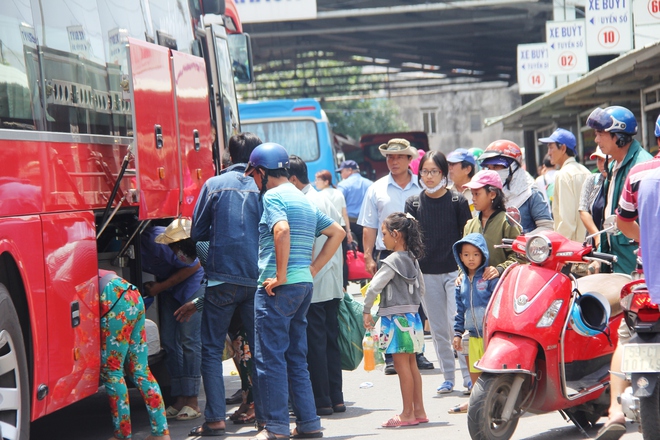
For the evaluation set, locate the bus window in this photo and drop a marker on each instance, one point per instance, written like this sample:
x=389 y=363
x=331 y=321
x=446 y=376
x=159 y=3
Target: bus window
x=172 y=17
x=19 y=96
x=299 y=137
x=230 y=106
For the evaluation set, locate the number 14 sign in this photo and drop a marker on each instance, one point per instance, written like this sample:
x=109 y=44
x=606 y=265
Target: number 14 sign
x=567 y=51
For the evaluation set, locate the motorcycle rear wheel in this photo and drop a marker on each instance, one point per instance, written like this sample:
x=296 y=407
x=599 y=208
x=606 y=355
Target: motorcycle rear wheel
x=649 y=411
x=487 y=401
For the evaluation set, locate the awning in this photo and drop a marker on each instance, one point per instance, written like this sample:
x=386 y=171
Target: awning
x=618 y=82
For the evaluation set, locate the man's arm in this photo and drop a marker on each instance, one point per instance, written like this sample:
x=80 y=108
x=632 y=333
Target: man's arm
x=629 y=228
x=282 y=240
x=344 y=215
x=202 y=217
x=335 y=235
x=368 y=241
x=153 y=288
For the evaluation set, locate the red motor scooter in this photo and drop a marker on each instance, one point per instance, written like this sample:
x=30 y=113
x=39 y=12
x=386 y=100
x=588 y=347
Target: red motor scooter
x=549 y=339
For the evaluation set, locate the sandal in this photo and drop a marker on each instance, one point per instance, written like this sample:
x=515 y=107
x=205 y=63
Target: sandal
x=457 y=410
x=613 y=431
x=313 y=434
x=265 y=434
x=396 y=422
x=243 y=409
x=171 y=412
x=246 y=418
x=206 y=431
x=188 y=413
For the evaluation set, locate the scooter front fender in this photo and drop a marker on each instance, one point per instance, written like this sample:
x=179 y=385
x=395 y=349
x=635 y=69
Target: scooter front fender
x=509 y=353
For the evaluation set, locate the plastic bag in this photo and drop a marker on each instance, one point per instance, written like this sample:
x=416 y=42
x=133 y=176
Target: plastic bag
x=355 y=263
x=351 y=332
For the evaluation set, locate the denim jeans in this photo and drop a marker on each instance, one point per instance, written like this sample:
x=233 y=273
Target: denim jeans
x=181 y=341
x=281 y=359
x=219 y=304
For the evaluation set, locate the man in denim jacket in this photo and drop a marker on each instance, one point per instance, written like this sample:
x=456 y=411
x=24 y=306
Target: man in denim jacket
x=227 y=215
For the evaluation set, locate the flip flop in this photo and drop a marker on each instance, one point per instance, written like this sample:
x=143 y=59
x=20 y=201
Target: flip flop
x=315 y=434
x=422 y=420
x=613 y=431
x=457 y=410
x=188 y=413
x=171 y=412
x=206 y=431
x=244 y=419
x=396 y=422
x=265 y=434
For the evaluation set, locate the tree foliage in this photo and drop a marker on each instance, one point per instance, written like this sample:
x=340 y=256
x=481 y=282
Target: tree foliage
x=358 y=117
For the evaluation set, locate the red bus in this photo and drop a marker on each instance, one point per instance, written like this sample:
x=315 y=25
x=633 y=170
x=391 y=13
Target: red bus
x=105 y=125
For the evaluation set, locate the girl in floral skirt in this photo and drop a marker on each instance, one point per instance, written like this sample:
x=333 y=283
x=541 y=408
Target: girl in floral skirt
x=401 y=286
x=124 y=339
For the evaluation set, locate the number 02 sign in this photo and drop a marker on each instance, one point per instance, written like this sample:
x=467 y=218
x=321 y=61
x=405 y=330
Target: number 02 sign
x=567 y=52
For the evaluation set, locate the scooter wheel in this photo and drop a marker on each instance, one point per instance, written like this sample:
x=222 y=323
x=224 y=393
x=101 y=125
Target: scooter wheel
x=487 y=401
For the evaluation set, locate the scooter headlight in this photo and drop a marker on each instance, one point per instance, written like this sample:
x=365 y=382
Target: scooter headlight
x=538 y=249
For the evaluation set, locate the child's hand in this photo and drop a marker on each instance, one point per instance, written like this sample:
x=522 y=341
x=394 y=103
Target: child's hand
x=458 y=344
x=368 y=321
x=458 y=281
x=490 y=273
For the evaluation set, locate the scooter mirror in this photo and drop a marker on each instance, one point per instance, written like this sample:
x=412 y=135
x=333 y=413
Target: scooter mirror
x=513 y=217
x=609 y=225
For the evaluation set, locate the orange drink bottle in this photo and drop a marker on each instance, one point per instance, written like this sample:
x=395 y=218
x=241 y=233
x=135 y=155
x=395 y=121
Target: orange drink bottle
x=368 y=350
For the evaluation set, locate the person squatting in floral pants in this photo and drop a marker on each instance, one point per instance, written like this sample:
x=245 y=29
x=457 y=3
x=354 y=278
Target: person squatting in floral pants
x=123 y=338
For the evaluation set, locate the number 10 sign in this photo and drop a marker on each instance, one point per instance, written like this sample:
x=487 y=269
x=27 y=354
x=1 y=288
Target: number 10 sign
x=567 y=51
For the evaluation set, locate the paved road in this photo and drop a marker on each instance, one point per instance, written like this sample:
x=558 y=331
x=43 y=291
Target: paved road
x=367 y=409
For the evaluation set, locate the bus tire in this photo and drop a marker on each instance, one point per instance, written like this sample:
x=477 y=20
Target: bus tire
x=14 y=382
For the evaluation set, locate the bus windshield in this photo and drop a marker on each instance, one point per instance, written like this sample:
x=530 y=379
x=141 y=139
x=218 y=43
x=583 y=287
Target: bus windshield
x=297 y=136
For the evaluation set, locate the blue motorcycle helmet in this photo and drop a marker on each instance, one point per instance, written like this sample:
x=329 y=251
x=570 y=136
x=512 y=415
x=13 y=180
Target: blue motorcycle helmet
x=267 y=156
x=590 y=314
x=614 y=119
x=657 y=127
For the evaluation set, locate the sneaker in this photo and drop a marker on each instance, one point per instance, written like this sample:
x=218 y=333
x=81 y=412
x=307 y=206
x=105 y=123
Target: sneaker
x=468 y=390
x=423 y=363
x=389 y=369
x=446 y=387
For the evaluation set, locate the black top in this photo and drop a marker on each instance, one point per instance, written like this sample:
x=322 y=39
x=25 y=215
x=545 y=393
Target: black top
x=442 y=221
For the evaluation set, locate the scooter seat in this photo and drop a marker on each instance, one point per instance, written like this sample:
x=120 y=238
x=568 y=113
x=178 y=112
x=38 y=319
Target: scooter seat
x=607 y=284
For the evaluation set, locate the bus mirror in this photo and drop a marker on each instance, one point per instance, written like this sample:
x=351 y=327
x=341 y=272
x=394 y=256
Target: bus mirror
x=216 y=7
x=240 y=51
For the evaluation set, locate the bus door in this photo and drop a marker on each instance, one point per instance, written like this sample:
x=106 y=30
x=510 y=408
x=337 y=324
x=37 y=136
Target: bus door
x=193 y=127
x=222 y=78
x=156 y=151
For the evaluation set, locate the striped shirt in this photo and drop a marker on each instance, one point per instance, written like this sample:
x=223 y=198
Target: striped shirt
x=286 y=203
x=628 y=202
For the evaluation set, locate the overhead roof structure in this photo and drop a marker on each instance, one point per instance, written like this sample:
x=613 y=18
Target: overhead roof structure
x=631 y=80
x=404 y=45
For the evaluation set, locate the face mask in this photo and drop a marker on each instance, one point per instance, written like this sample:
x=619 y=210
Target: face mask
x=504 y=174
x=438 y=187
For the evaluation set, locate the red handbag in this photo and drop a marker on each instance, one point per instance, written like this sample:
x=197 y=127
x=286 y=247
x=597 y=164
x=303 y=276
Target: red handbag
x=355 y=262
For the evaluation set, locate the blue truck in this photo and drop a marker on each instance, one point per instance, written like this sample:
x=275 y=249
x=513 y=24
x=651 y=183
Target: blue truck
x=300 y=125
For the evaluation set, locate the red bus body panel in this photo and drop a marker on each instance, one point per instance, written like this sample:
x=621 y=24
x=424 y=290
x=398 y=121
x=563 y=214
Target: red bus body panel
x=158 y=167
x=20 y=237
x=192 y=104
x=71 y=277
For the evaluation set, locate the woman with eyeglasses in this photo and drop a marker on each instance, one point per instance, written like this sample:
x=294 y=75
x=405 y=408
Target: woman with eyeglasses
x=442 y=215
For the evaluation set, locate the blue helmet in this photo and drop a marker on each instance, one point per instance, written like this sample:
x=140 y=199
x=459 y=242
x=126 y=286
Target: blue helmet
x=590 y=314
x=614 y=119
x=269 y=155
x=657 y=127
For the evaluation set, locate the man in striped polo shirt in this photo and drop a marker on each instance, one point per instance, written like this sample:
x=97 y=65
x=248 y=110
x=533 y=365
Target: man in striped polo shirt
x=287 y=230
x=627 y=222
